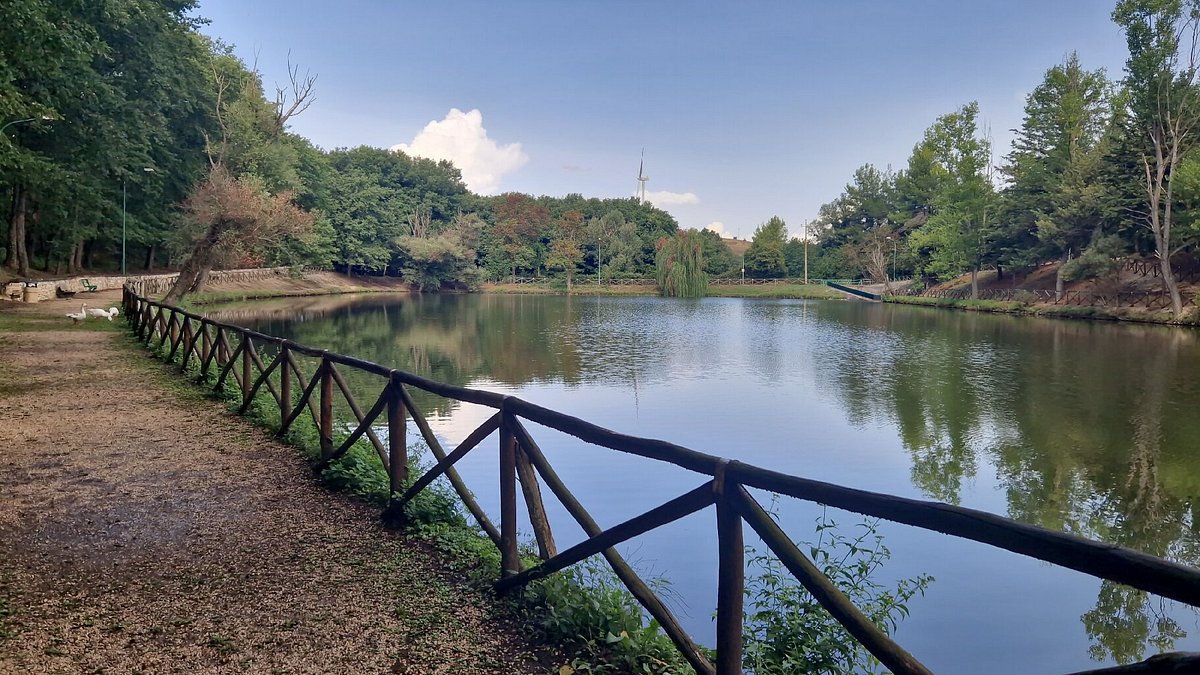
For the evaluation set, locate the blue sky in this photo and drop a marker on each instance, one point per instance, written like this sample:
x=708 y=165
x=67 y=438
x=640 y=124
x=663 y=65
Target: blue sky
x=745 y=110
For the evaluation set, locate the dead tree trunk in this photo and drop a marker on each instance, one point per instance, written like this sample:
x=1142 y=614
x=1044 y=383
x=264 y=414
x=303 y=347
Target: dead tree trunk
x=194 y=272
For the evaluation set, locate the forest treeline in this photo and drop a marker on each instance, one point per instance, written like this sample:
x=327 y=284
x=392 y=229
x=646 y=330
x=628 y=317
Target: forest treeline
x=130 y=134
x=130 y=138
x=1100 y=168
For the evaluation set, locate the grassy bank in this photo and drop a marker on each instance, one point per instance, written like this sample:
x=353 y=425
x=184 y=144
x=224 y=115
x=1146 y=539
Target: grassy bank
x=1191 y=317
x=779 y=291
x=560 y=288
x=243 y=295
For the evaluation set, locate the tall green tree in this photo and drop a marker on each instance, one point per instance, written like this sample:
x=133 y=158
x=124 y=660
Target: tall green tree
x=765 y=258
x=244 y=204
x=566 y=249
x=118 y=98
x=1163 y=110
x=1055 y=200
x=957 y=237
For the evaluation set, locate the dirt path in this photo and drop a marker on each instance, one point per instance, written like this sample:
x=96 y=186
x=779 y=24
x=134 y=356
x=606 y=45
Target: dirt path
x=145 y=529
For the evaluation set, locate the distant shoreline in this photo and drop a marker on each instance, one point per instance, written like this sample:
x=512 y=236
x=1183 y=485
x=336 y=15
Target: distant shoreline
x=1132 y=315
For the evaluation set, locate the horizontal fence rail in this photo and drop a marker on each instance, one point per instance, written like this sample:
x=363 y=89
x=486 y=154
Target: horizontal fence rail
x=1145 y=300
x=233 y=354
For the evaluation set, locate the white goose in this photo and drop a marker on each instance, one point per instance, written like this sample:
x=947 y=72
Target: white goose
x=104 y=313
x=82 y=314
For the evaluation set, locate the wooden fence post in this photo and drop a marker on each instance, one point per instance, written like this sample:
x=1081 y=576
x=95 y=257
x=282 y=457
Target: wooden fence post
x=510 y=560
x=205 y=348
x=537 y=509
x=326 y=430
x=731 y=581
x=397 y=420
x=222 y=349
x=247 y=367
x=285 y=384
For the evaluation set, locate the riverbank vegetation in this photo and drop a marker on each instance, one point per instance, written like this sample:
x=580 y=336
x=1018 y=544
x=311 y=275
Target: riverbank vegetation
x=210 y=175
x=1100 y=168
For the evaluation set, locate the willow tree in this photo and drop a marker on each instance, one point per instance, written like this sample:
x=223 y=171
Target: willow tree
x=680 y=265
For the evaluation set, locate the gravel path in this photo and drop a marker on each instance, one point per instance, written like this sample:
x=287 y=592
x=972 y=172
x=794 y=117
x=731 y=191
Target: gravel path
x=145 y=529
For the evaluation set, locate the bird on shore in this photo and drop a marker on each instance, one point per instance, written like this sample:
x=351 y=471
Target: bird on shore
x=104 y=313
x=82 y=314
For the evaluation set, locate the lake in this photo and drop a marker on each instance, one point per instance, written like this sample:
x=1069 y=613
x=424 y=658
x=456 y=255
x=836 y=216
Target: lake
x=1088 y=428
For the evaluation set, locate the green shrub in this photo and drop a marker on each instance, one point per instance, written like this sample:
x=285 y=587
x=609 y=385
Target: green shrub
x=788 y=632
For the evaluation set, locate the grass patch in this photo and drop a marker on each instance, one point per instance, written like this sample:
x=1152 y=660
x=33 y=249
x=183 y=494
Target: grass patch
x=580 y=287
x=779 y=291
x=9 y=627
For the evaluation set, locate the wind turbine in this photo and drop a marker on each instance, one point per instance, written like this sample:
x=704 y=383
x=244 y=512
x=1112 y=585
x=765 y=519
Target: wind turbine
x=642 y=178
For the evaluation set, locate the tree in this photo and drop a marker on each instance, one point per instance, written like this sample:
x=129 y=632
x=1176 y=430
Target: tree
x=1055 y=199
x=122 y=90
x=244 y=202
x=229 y=216
x=1161 y=78
x=519 y=224
x=956 y=237
x=718 y=259
x=680 y=265
x=764 y=258
x=566 y=250
x=444 y=259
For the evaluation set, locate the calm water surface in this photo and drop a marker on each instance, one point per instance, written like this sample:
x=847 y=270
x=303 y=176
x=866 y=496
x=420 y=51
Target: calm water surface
x=1087 y=428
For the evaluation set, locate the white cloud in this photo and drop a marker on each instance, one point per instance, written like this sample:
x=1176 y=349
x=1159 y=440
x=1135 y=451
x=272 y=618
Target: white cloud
x=461 y=138
x=718 y=227
x=666 y=198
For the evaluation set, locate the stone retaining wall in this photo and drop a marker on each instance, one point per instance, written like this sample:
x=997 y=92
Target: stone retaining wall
x=148 y=284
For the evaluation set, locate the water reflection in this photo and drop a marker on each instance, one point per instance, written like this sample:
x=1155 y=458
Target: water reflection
x=1087 y=428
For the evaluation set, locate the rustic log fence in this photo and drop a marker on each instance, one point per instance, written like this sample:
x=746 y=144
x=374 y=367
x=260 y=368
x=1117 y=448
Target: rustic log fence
x=230 y=351
x=1147 y=300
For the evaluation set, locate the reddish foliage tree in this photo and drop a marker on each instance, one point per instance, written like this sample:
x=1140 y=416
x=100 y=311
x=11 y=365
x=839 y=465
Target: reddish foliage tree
x=228 y=218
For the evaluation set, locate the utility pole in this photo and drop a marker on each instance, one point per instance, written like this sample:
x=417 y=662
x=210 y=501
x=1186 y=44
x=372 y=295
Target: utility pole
x=806 y=253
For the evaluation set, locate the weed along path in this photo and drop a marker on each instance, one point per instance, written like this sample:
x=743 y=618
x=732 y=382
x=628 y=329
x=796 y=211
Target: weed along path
x=144 y=528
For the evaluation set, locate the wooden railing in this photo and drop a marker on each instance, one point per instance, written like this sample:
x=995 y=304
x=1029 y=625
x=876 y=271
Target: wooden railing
x=1147 y=300
x=231 y=351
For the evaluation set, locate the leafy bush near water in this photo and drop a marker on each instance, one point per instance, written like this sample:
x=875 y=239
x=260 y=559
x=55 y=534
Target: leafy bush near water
x=787 y=632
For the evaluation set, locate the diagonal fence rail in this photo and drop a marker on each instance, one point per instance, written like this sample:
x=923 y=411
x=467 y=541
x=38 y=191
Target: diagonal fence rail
x=227 y=351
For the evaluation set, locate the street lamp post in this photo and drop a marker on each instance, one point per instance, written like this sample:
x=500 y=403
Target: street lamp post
x=44 y=118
